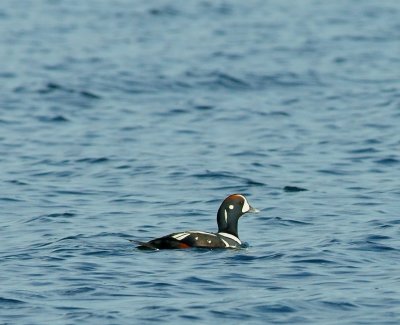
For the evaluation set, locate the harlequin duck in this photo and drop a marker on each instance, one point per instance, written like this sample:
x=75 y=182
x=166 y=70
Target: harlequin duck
x=231 y=209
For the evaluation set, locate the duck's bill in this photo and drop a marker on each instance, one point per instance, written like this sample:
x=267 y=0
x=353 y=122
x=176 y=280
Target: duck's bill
x=253 y=210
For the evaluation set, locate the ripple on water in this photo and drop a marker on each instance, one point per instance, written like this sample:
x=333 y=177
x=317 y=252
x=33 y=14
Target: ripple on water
x=294 y=189
x=388 y=161
x=372 y=246
x=53 y=119
x=51 y=217
x=4 y=302
x=277 y=308
x=320 y=261
x=285 y=222
x=340 y=305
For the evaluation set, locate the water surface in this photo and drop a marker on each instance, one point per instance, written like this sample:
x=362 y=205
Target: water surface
x=132 y=119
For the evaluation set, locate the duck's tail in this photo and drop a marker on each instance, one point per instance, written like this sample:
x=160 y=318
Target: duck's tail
x=142 y=245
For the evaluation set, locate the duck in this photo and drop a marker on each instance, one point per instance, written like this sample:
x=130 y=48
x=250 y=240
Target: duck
x=232 y=208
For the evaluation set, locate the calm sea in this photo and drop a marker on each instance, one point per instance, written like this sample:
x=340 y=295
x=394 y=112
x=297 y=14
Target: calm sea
x=133 y=119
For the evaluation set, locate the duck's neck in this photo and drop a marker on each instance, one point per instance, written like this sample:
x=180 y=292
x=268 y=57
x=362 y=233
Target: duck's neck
x=227 y=223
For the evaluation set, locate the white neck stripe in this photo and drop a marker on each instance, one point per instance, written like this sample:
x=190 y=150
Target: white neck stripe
x=224 y=234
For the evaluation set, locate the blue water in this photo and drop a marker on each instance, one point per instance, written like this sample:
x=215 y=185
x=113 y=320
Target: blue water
x=134 y=119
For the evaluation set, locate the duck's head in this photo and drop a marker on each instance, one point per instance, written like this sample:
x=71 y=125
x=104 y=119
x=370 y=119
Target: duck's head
x=231 y=209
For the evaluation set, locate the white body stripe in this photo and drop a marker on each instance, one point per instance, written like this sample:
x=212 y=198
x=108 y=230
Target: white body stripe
x=224 y=234
x=181 y=235
x=225 y=242
x=201 y=232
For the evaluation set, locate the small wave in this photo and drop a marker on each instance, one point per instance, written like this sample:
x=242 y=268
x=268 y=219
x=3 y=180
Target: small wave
x=52 y=87
x=89 y=94
x=76 y=291
x=230 y=176
x=274 y=113
x=17 y=182
x=68 y=308
x=247 y=153
x=303 y=274
x=196 y=279
x=164 y=11
x=58 y=215
x=204 y=107
x=244 y=258
x=51 y=216
x=379 y=247
x=250 y=258
x=275 y=309
x=215 y=175
x=294 y=189
x=340 y=305
x=288 y=222
x=4 y=74
x=387 y=161
x=172 y=111
x=369 y=245
x=8 y=301
x=10 y=199
x=333 y=172
x=78 y=236
x=71 y=192
x=364 y=150
x=53 y=119
x=52 y=173
x=377 y=237
x=315 y=261
x=94 y=160
x=2 y=121
x=228 y=81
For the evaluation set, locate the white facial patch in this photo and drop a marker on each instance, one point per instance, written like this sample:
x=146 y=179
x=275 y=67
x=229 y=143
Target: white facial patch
x=231 y=207
x=246 y=206
x=226 y=216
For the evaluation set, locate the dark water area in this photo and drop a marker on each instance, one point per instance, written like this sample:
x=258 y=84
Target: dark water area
x=134 y=119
